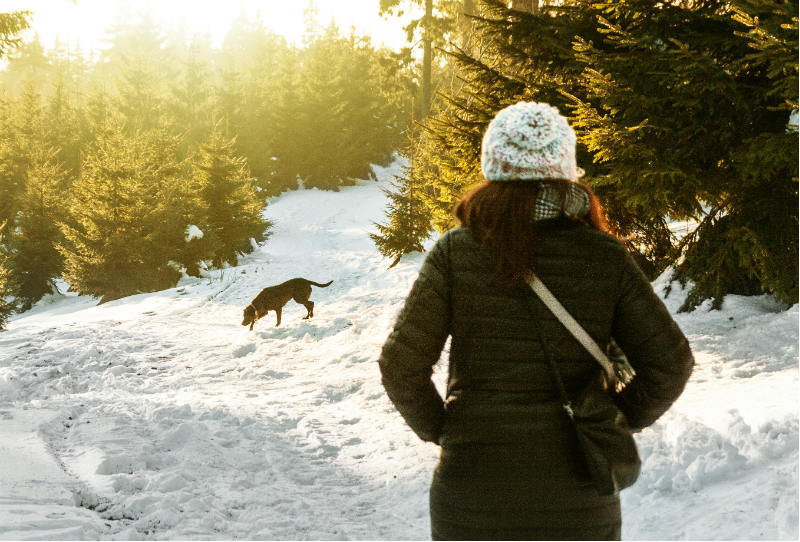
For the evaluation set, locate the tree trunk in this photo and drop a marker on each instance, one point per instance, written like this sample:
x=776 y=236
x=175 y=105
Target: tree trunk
x=427 y=59
x=465 y=24
x=530 y=6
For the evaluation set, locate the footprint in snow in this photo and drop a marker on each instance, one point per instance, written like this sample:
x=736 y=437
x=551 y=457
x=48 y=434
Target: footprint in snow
x=337 y=393
x=277 y=375
x=243 y=350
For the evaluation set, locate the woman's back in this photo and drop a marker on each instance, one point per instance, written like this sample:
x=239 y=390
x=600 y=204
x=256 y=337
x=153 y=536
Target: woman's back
x=503 y=428
x=510 y=466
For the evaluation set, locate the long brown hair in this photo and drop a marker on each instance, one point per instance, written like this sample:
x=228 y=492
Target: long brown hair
x=500 y=216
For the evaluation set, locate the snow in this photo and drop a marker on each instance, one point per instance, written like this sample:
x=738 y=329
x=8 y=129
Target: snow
x=193 y=232
x=159 y=416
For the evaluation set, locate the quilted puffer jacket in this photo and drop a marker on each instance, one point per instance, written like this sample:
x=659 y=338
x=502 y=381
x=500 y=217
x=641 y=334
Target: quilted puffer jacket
x=494 y=353
x=500 y=390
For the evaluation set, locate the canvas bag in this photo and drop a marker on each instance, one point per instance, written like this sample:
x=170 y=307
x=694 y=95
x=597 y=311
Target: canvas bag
x=603 y=433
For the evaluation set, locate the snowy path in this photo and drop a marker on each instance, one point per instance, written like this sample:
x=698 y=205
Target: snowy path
x=159 y=417
x=38 y=496
x=177 y=422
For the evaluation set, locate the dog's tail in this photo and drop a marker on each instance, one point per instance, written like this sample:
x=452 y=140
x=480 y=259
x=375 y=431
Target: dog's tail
x=320 y=285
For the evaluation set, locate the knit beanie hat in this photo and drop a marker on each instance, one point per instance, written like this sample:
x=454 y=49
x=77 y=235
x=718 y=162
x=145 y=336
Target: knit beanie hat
x=527 y=141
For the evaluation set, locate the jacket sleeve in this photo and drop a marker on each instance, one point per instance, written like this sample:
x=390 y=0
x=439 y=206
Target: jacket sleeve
x=414 y=347
x=654 y=345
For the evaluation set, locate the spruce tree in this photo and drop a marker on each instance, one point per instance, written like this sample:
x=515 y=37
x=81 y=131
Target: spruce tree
x=117 y=246
x=409 y=222
x=190 y=104
x=23 y=131
x=27 y=64
x=373 y=126
x=174 y=204
x=35 y=259
x=334 y=118
x=433 y=28
x=6 y=289
x=516 y=57
x=232 y=204
x=287 y=151
x=10 y=185
x=11 y=24
x=322 y=125
x=253 y=59
x=681 y=112
x=64 y=118
x=689 y=124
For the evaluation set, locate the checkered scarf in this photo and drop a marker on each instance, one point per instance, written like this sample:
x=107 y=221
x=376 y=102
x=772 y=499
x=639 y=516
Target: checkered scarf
x=548 y=204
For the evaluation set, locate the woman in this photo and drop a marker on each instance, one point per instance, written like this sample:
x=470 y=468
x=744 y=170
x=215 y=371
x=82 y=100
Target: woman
x=509 y=466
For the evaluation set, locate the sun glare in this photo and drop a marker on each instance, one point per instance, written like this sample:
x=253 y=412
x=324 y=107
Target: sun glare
x=84 y=23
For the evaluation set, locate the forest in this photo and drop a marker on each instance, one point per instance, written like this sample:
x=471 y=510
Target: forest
x=156 y=157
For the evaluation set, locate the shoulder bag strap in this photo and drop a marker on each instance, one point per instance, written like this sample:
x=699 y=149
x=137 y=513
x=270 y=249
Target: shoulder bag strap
x=573 y=326
x=562 y=392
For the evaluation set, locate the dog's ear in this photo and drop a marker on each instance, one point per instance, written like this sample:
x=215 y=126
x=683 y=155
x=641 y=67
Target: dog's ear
x=247 y=316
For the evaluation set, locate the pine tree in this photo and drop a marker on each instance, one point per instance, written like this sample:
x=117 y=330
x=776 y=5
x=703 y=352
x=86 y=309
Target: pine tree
x=681 y=111
x=321 y=113
x=174 y=203
x=6 y=290
x=137 y=64
x=374 y=125
x=287 y=151
x=254 y=60
x=409 y=220
x=344 y=122
x=10 y=185
x=11 y=24
x=433 y=29
x=22 y=136
x=691 y=125
x=503 y=70
x=232 y=204
x=35 y=259
x=27 y=64
x=322 y=124
x=63 y=118
x=190 y=104
x=34 y=183
x=117 y=247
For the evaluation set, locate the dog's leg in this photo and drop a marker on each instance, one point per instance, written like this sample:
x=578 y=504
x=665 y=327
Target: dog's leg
x=278 y=312
x=256 y=316
x=302 y=299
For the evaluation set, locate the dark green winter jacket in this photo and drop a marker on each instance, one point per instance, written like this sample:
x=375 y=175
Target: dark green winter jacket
x=510 y=467
x=495 y=356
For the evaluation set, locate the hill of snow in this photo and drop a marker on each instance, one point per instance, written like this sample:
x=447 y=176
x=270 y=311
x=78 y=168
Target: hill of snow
x=159 y=416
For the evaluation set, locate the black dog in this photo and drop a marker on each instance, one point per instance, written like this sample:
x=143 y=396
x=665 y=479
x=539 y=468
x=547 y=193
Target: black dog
x=273 y=298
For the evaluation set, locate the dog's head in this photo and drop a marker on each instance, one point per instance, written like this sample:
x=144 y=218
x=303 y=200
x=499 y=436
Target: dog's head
x=249 y=316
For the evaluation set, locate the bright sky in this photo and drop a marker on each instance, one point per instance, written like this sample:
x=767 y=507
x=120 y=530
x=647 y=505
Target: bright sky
x=83 y=22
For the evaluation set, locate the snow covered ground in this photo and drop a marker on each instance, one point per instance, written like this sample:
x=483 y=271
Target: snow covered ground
x=159 y=416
